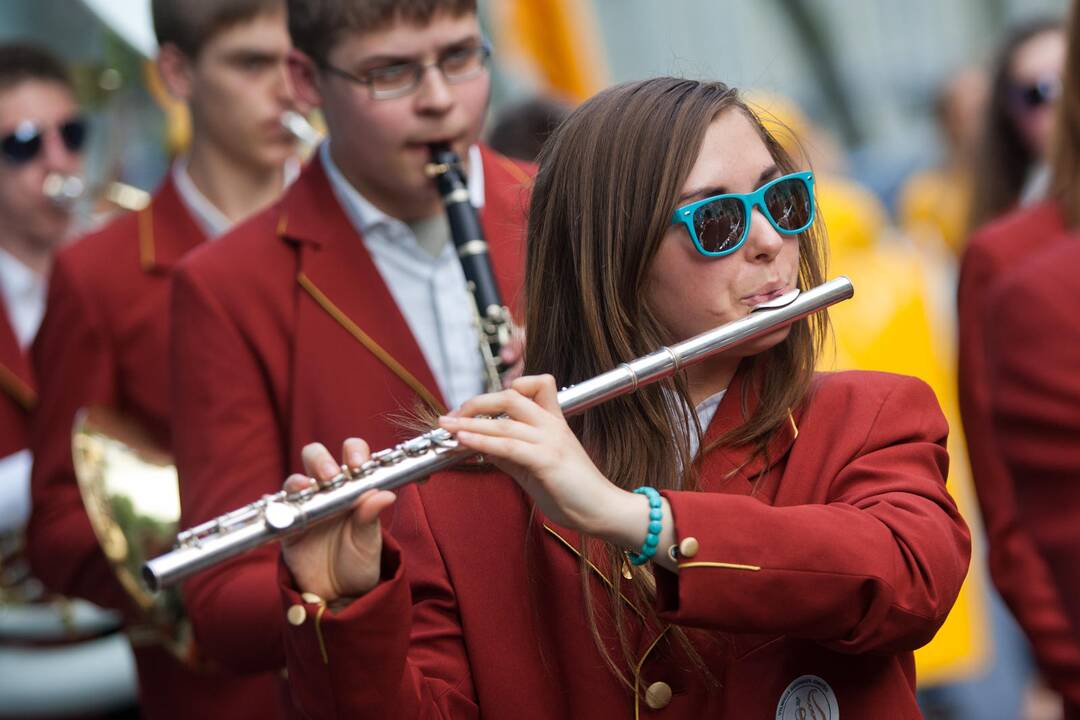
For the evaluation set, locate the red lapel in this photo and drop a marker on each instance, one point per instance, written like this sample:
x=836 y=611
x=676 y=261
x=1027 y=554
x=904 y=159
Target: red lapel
x=734 y=469
x=167 y=231
x=334 y=260
x=16 y=376
x=506 y=202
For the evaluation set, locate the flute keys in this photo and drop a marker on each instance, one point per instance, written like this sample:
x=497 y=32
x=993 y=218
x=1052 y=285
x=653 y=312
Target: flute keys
x=280 y=516
x=390 y=456
x=417 y=446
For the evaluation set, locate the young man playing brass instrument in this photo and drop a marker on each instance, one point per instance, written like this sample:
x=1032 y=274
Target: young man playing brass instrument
x=104 y=340
x=343 y=304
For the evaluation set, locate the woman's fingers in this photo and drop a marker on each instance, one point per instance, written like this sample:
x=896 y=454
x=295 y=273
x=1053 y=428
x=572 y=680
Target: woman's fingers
x=501 y=427
x=518 y=452
x=507 y=402
x=541 y=389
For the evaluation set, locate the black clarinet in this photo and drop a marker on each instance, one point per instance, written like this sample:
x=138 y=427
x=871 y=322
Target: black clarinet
x=493 y=322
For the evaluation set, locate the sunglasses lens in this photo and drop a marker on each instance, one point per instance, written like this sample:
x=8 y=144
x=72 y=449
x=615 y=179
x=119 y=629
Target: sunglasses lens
x=21 y=145
x=790 y=204
x=719 y=224
x=1037 y=94
x=73 y=133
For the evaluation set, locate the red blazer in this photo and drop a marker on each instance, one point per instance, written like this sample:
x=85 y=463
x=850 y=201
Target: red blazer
x=104 y=342
x=1033 y=357
x=1018 y=571
x=17 y=390
x=285 y=334
x=837 y=563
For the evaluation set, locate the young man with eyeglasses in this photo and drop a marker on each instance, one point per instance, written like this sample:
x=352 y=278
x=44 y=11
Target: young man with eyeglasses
x=344 y=305
x=104 y=340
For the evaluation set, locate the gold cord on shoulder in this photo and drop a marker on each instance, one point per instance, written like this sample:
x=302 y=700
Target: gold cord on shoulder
x=368 y=342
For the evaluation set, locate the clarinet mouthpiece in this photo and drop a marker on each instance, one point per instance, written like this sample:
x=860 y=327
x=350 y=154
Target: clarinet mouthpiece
x=443 y=160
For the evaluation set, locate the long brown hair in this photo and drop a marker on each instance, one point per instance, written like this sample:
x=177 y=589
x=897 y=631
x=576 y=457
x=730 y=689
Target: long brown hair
x=1065 y=158
x=1004 y=158
x=609 y=180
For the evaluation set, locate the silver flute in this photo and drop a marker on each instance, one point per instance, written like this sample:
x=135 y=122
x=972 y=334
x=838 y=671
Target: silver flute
x=283 y=514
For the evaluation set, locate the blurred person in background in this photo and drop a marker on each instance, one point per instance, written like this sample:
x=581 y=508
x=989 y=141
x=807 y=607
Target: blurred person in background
x=1019 y=572
x=520 y=129
x=1033 y=357
x=42 y=134
x=935 y=204
x=1025 y=84
x=1033 y=379
x=104 y=338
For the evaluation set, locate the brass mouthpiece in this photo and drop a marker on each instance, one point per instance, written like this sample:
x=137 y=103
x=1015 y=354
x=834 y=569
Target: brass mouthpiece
x=442 y=159
x=63 y=190
x=300 y=128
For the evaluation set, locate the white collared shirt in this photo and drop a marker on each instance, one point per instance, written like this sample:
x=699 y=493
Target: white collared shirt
x=23 y=293
x=705 y=410
x=209 y=218
x=430 y=291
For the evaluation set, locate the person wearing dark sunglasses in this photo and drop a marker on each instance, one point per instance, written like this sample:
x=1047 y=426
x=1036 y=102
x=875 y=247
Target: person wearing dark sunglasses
x=104 y=340
x=1009 y=241
x=1024 y=85
x=40 y=133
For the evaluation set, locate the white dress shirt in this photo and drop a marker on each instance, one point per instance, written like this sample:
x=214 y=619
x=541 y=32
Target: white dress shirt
x=706 y=410
x=23 y=294
x=209 y=218
x=430 y=291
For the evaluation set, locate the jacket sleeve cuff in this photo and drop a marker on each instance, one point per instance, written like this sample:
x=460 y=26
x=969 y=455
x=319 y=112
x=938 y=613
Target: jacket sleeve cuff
x=326 y=646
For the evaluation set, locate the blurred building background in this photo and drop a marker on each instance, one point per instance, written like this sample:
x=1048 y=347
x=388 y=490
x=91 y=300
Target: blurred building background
x=867 y=71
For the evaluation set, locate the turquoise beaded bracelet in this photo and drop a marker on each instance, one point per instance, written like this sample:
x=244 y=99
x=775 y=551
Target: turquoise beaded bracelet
x=656 y=516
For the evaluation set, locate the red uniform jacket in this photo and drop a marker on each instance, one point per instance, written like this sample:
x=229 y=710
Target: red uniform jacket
x=1018 y=571
x=1033 y=356
x=811 y=587
x=104 y=342
x=17 y=394
x=285 y=334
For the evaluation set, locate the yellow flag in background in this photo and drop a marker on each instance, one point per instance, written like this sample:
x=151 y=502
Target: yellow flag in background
x=177 y=115
x=553 y=44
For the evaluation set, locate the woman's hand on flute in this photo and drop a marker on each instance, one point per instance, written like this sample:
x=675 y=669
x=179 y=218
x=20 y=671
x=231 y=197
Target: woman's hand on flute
x=534 y=445
x=339 y=558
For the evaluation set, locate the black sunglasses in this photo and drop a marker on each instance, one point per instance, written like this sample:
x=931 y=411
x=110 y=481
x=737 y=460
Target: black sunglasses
x=24 y=144
x=1036 y=94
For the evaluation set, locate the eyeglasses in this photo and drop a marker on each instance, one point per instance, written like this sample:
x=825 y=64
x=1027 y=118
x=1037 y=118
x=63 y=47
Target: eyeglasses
x=719 y=225
x=24 y=144
x=400 y=79
x=1036 y=94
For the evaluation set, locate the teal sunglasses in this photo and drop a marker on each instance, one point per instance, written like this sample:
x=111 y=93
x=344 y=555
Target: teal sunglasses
x=719 y=224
